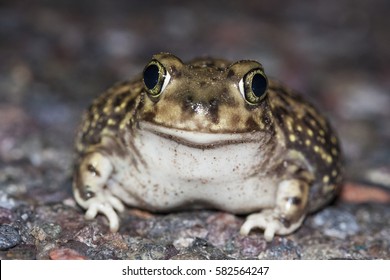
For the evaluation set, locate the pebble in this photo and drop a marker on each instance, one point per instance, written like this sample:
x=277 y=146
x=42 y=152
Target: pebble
x=281 y=248
x=336 y=223
x=9 y=237
x=360 y=193
x=66 y=254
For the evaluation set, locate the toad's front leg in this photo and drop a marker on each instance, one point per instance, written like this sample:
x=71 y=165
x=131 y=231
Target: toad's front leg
x=90 y=188
x=288 y=213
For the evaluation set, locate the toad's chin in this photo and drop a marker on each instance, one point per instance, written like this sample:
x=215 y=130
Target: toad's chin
x=200 y=139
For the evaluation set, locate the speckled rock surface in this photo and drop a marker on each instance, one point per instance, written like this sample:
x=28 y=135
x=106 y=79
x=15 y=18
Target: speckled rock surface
x=56 y=56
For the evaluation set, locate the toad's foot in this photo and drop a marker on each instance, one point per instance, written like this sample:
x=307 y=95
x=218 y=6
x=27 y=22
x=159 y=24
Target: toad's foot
x=271 y=224
x=107 y=205
x=288 y=213
x=91 y=191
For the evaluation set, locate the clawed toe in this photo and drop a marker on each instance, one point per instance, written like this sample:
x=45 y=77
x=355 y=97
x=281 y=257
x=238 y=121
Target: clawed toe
x=106 y=207
x=270 y=223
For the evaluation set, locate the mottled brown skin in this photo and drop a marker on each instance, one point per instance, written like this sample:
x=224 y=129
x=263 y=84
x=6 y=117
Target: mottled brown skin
x=310 y=133
x=301 y=146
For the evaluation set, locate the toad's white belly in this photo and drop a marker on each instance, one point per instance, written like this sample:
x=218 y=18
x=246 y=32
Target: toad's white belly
x=166 y=171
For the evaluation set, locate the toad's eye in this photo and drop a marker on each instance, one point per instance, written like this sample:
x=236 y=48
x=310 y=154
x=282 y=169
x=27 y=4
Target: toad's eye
x=155 y=78
x=254 y=86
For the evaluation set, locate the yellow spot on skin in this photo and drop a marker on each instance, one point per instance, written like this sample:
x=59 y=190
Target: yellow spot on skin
x=333 y=139
x=125 y=122
x=289 y=124
x=106 y=110
x=329 y=159
x=316 y=149
x=292 y=138
x=123 y=105
x=329 y=188
x=111 y=122
x=334 y=173
x=321 y=140
x=334 y=152
x=325 y=179
x=307 y=142
x=262 y=125
x=299 y=128
x=310 y=132
x=322 y=132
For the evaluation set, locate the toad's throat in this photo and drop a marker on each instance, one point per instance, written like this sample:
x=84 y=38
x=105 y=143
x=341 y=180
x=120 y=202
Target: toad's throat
x=198 y=139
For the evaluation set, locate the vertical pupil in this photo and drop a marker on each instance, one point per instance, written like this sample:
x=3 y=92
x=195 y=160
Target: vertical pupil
x=151 y=75
x=259 y=85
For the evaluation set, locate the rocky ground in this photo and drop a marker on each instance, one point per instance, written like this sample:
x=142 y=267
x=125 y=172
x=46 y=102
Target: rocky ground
x=56 y=56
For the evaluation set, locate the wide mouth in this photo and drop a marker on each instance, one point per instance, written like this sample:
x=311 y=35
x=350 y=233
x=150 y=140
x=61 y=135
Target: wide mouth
x=200 y=138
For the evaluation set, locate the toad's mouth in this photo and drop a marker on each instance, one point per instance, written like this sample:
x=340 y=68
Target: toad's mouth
x=200 y=139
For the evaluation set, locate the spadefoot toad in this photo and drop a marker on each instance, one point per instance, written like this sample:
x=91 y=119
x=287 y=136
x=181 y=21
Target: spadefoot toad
x=208 y=133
